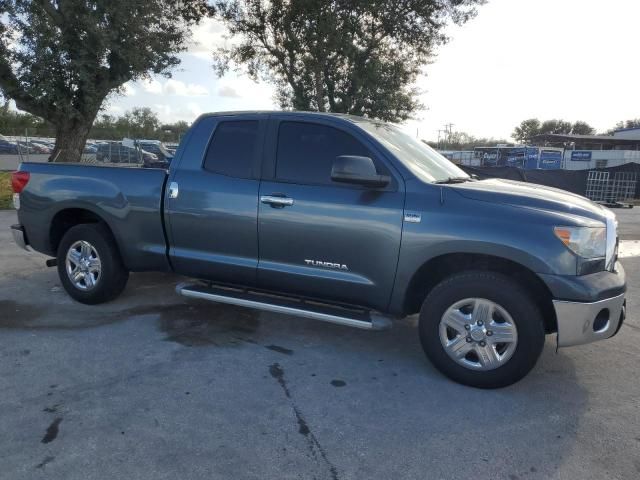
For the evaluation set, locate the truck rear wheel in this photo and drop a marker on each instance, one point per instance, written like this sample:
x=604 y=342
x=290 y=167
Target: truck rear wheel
x=89 y=264
x=481 y=329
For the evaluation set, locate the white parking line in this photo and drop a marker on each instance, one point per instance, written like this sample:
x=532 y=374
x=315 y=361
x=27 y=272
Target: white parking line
x=629 y=248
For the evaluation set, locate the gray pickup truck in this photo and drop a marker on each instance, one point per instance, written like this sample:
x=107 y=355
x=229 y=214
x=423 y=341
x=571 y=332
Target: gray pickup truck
x=345 y=220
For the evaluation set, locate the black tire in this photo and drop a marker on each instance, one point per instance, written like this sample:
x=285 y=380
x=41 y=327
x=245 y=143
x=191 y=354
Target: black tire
x=509 y=295
x=113 y=275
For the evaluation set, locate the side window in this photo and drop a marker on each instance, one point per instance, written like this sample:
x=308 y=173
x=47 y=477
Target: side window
x=232 y=149
x=306 y=152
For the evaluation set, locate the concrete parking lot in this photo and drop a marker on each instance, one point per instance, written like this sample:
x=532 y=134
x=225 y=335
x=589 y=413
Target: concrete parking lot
x=152 y=386
x=11 y=162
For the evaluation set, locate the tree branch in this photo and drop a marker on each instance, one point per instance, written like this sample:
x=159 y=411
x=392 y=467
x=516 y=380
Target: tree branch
x=51 y=11
x=11 y=88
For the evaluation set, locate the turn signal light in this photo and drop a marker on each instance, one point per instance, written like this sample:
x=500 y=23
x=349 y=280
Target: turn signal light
x=564 y=235
x=19 y=180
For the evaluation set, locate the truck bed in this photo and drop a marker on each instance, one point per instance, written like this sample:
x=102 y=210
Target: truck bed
x=128 y=200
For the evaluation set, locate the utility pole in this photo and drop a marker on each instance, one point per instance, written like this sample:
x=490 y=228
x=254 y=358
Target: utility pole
x=449 y=128
x=448 y=132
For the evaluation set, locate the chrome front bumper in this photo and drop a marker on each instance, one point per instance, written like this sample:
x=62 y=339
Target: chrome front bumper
x=19 y=236
x=580 y=323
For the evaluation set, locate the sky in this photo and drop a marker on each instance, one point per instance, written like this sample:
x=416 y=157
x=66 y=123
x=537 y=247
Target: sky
x=569 y=59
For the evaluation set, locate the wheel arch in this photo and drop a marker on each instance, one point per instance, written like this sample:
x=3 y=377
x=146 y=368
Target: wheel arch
x=436 y=269
x=67 y=218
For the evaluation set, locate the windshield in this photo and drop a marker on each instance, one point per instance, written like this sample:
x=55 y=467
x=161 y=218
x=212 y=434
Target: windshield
x=423 y=161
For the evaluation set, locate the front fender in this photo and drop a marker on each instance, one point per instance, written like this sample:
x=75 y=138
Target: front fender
x=462 y=226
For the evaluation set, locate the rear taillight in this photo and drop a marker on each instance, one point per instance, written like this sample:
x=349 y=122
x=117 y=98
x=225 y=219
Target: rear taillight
x=19 y=180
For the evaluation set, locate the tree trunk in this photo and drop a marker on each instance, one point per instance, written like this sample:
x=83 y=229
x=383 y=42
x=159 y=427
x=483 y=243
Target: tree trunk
x=71 y=136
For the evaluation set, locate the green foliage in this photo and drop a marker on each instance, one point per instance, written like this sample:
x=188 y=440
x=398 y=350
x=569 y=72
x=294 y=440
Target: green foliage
x=358 y=56
x=13 y=122
x=582 y=128
x=528 y=129
x=555 y=127
x=633 y=123
x=464 y=141
x=59 y=59
x=5 y=191
x=139 y=123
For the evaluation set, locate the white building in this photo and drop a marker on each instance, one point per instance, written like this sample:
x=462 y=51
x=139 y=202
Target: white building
x=582 y=152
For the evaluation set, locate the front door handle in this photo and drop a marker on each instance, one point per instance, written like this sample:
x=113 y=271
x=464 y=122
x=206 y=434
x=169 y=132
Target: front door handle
x=276 y=201
x=173 y=190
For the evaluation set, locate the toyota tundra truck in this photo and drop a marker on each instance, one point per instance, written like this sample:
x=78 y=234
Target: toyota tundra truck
x=345 y=220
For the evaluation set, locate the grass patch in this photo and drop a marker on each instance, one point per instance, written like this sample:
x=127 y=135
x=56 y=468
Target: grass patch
x=5 y=191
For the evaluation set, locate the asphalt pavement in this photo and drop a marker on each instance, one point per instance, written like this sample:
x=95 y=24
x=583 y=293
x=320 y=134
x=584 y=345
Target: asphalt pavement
x=11 y=162
x=152 y=386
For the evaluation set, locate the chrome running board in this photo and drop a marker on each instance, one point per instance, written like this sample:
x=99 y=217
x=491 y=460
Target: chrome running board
x=288 y=305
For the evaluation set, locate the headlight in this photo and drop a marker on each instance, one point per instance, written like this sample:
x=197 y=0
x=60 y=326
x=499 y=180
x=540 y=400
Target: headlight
x=586 y=242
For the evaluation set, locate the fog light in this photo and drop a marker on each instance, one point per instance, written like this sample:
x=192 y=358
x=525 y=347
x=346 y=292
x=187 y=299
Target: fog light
x=601 y=321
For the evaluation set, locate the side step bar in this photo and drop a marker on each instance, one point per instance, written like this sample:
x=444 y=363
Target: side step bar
x=287 y=305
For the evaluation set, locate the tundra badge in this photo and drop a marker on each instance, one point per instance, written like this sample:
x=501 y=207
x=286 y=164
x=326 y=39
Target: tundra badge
x=412 y=217
x=320 y=263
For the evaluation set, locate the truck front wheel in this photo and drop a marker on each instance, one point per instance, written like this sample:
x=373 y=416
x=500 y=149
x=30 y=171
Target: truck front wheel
x=481 y=329
x=89 y=264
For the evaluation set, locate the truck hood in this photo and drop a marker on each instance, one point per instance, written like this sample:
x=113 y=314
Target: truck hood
x=530 y=195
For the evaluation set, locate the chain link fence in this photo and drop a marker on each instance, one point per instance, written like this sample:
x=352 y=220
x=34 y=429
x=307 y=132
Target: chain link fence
x=37 y=145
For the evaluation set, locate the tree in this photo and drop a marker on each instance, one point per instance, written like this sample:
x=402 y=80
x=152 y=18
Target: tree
x=349 y=56
x=555 y=127
x=139 y=123
x=633 y=123
x=582 y=128
x=526 y=130
x=13 y=122
x=59 y=59
x=532 y=127
x=464 y=141
x=173 y=131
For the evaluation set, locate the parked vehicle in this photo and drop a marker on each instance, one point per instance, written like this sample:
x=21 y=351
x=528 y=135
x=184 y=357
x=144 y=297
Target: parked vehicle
x=115 y=152
x=26 y=147
x=172 y=147
x=44 y=144
x=8 y=148
x=39 y=148
x=158 y=148
x=357 y=223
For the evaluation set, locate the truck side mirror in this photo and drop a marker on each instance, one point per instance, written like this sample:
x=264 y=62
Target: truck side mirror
x=357 y=170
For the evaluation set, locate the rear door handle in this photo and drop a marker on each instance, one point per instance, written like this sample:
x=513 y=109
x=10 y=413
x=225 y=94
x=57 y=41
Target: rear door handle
x=276 y=201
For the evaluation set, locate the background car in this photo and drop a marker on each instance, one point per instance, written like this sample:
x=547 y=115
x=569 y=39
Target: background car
x=158 y=148
x=8 y=148
x=44 y=143
x=38 y=147
x=26 y=147
x=115 y=152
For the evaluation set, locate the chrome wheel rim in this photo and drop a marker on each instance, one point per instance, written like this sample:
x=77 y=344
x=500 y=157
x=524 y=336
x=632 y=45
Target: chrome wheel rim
x=478 y=334
x=83 y=265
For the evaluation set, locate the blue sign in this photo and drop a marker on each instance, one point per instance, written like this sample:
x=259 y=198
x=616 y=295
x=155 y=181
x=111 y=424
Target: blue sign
x=578 y=156
x=550 y=159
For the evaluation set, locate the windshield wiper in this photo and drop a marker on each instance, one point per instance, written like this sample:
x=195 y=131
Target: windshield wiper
x=453 y=180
